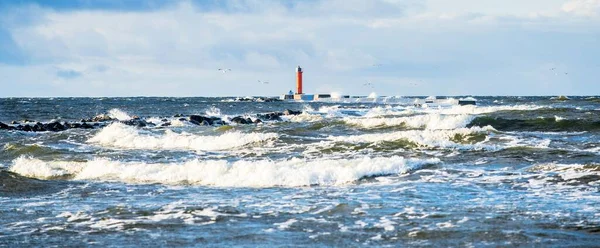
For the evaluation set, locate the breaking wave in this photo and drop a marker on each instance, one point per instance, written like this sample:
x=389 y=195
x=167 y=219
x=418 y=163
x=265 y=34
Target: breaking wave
x=551 y=124
x=262 y=173
x=462 y=138
x=121 y=136
x=428 y=121
x=119 y=115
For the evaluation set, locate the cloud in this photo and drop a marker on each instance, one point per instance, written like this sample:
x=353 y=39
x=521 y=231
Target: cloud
x=176 y=47
x=68 y=5
x=68 y=73
x=10 y=52
x=582 y=7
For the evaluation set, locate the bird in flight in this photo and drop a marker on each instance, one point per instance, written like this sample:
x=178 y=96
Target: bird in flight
x=368 y=84
x=224 y=70
x=263 y=82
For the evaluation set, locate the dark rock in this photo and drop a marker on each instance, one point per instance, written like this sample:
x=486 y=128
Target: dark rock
x=164 y=120
x=273 y=99
x=215 y=120
x=38 y=127
x=273 y=116
x=3 y=126
x=54 y=127
x=291 y=112
x=201 y=119
x=26 y=128
x=258 y=121
x=166 y=124
x=182 y=119
x=219 y=122
x=239 y=120
x=195 y=122
x=86 y=126
x=135 y=122
x=14 y=122
x=243 y=99
x=73 y=125
x=101 y=118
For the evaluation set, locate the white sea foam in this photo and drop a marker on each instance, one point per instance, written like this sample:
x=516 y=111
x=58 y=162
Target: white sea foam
x=178 y=123
x=262 y=173
x=428 y=121
x=426 y=138
x=567 y=171
x=304 y=117
x=154 y=120
x=121 y=136
x=286 y=225
x=213 y=111
x=331 y=111
x=39 y=169
x=381 y=111
x=476 y=110
x=119 y=114
x=447 y=224
x=307 y=108
x=386 y=224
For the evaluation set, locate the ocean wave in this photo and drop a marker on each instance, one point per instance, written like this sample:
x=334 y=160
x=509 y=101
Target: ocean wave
x=221 y=173
x=550 y=124
x=15 y=150
x=304 y=117
x=428 y=121
x=571 y=174
x=380 y=111
x=15 y=184
x=462 y=138
x=121 y=136
x=119 y=115
x=477 y=110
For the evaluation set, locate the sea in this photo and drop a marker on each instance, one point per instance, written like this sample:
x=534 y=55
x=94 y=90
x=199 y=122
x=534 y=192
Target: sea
x=383 y=172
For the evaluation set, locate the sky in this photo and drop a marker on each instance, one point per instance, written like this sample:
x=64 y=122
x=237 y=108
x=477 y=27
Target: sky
x=80 y=48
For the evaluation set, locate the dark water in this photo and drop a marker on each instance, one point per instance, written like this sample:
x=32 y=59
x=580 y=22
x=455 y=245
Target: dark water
x=511 y=171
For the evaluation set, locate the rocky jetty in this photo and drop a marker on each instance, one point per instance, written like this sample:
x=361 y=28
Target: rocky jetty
x=54 y=126
x=104 y=120
x=257 y=99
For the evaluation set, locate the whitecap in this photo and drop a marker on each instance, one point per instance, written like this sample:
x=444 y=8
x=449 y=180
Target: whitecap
x=428 y=121
x=122 y=136
x=261 y=173
x=119 y=115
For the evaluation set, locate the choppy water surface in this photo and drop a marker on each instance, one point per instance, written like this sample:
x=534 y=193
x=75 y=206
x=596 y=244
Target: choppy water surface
x=510 y=171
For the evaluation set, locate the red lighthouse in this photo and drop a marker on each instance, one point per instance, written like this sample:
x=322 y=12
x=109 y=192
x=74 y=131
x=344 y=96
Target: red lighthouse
x=298 y=80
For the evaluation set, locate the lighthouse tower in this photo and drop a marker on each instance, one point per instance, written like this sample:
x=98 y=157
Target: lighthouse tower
x=299 y=80
x=299 y=95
